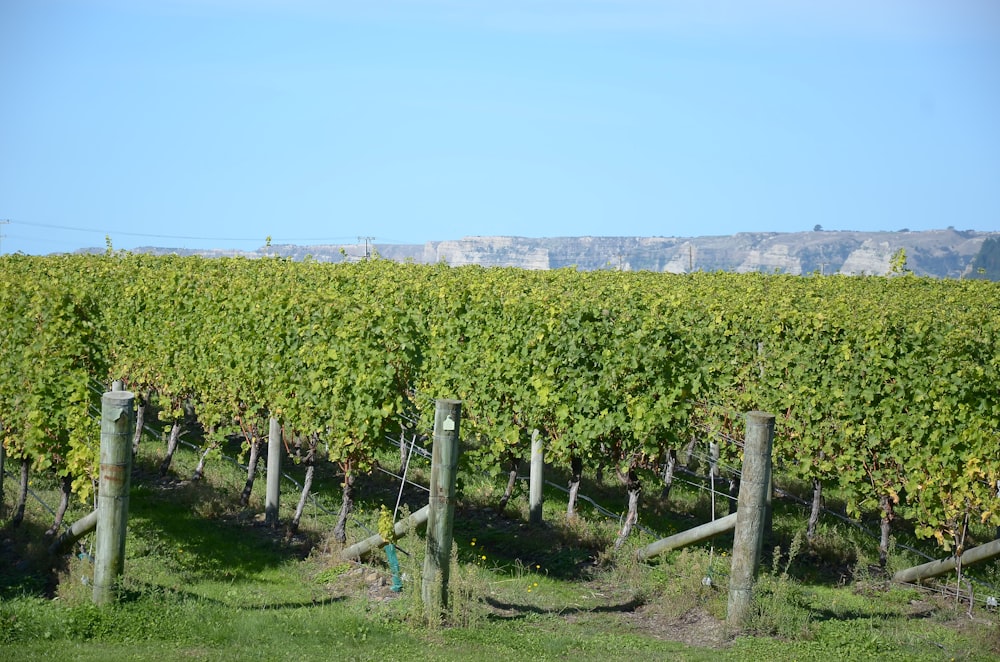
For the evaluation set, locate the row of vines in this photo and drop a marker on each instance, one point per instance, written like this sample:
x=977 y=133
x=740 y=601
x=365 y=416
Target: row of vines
x=885 y=388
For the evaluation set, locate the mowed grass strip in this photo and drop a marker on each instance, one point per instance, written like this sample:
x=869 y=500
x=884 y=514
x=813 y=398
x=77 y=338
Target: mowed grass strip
x=206 y=580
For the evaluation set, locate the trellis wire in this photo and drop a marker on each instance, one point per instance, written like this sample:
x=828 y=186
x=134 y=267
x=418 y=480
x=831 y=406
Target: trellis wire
x=695 y=454
x=37 y=498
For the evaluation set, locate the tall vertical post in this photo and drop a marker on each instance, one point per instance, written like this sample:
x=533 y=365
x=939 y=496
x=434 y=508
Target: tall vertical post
x=441 y=514
x=112 y=492
x=750 y=516
x=3 y=459
x=273 y=473
x=536 y=479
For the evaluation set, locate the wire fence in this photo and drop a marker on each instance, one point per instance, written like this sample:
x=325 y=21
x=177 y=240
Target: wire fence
x=704 y=482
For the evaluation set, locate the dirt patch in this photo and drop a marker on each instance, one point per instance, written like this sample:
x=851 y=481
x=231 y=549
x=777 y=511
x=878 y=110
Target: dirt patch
x=695 y=627
x=360 y=580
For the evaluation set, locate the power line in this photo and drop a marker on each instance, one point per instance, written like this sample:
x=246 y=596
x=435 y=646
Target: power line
x=52 y=226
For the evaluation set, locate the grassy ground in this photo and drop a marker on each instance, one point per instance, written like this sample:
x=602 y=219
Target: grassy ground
x=206 y=580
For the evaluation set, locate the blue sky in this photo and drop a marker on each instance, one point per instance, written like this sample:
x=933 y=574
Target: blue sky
x=216 y=123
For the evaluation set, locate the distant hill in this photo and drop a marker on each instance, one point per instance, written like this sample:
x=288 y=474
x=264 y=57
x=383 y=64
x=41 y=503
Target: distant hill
x=939 y=253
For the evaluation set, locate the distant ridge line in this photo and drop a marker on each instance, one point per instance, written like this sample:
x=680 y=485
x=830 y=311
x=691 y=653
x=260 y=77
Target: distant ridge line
x=947 y=253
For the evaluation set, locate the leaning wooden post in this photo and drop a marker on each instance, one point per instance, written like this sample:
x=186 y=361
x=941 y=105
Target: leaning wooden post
x=77 y=530
x=688 y=537
x=441 y=514
x=273 y=473
x=536 y=479
x=978 y=554
x=112 y=492
x=750 y=516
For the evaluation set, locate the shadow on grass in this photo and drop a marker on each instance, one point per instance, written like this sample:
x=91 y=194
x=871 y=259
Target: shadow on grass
x=845 y=615
x=514 y=611
x=509 y=544
x=26 y=568
x=164 y=523
x=137 y=592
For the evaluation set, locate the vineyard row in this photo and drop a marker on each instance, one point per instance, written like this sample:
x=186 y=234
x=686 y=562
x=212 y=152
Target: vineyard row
x=886 y=388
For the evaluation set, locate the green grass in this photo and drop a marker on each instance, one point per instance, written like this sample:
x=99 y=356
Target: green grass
x=206 y=580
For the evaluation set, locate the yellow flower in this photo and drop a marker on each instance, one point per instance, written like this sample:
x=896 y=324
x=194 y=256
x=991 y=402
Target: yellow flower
x=483 y=557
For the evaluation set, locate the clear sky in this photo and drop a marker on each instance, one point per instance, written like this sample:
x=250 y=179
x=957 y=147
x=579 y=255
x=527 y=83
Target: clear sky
x=215 y=123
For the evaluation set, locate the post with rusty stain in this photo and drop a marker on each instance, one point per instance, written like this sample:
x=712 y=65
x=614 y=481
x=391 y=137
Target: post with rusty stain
x=112 y=492
x=441 y=514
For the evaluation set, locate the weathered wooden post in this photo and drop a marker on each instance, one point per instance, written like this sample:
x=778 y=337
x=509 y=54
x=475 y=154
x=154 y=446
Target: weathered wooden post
x=76 y=530
x=112 y=492
x=3 y=459
x=750 y=516
x=273 y=473
x=978 y=554
x=688 y=537
x=536 y=479
x=401 y=528
x=441 y=513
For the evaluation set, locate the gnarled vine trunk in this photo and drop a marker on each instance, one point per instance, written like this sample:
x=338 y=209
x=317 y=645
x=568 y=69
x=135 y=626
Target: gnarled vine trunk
x=668 y=474
x=175 y=435
x=346 y=505
x=887 y=516
x=576 y=474
x=140 y=420
x=634 y=488
x=199 y=471
x=22 y=496
x=404 y=452
x=310 y=462
x=817 y=508
x=689 y=452
x=3 y=459
x=713 y=461
x=734 y=493
x=255 y=443
x=511 y=482
x=65 y=489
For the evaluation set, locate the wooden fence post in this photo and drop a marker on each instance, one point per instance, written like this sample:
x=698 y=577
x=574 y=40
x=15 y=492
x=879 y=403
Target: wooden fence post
x=924 y=571
x=536 y=478
x=441 y=513
x=401 y=528
x=688 y=537
x=750 y=516
x=3 y=459
x=273 y=473
x=112 y=492
x=77 y=530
